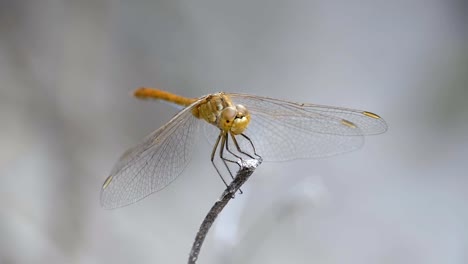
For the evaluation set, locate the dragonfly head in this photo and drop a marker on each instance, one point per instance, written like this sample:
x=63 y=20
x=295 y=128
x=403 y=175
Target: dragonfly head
x=234 y=119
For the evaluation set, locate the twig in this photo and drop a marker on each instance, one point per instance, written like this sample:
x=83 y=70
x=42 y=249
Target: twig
x=247 y=167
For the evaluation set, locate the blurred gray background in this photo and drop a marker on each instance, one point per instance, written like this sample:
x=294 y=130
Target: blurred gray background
x=67 y=69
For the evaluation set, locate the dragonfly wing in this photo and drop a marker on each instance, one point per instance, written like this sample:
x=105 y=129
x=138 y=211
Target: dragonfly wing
x=153 y=164
x=282 y=130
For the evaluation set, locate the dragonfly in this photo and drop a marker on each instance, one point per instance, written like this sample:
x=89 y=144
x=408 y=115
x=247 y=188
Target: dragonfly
x=240 y=125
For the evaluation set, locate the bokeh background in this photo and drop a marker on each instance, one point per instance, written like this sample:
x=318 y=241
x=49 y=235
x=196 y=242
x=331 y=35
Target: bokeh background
x=67 y=69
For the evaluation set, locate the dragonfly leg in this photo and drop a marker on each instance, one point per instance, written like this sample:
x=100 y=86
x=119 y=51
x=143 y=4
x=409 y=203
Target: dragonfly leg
x=212 y=158
x=239 y=149
x=230 y=151
x=251 y=143
x=224 y=144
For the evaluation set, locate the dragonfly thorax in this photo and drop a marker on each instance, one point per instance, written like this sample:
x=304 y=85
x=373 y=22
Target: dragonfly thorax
x=218 y=110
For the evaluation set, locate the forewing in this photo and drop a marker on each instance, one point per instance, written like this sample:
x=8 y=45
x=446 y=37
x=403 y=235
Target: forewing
x=153 y=164
x=282 y=130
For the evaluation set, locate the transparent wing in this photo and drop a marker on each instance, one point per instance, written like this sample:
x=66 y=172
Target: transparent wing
x=153 y=164
x=282 y=130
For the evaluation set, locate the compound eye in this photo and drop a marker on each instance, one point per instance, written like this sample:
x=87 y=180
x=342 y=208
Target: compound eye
x=228 y=114
x=241 y=111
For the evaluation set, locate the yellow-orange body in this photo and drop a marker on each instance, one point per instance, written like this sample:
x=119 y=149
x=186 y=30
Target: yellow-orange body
x=151 y=93
x=216 y=109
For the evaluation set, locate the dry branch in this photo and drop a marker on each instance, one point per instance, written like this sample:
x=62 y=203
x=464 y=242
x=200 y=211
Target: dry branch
x=247 y=167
